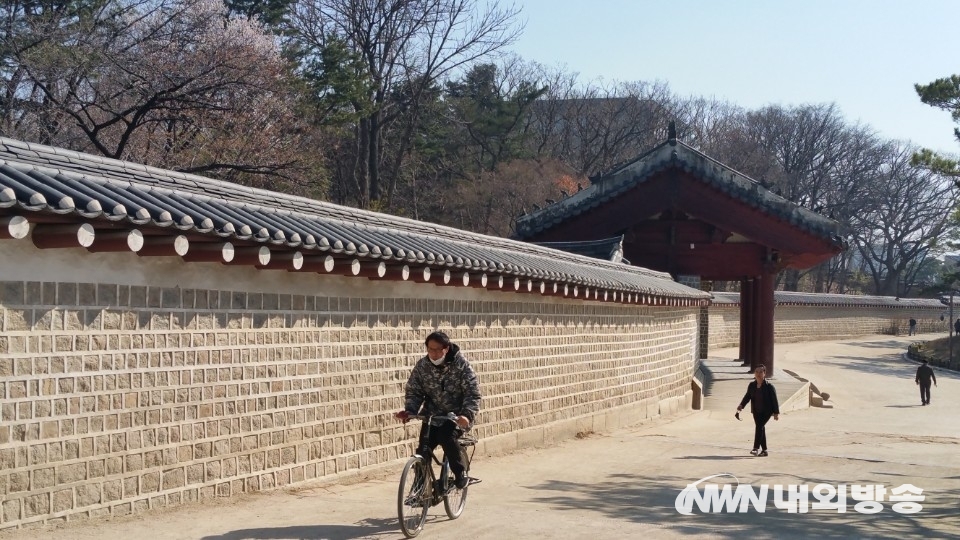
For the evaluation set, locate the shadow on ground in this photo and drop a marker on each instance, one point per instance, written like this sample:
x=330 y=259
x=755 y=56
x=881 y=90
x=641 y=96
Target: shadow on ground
x=888 y=366
x=886 y=344
x=651 y=501
x=366 y=529
x=891 y=365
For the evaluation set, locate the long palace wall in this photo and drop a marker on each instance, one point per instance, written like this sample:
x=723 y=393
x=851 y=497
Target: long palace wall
x=132 y=383
x=810 y=317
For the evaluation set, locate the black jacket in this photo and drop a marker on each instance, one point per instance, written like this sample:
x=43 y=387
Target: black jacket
x=767 y=395
x=924 y=374
x=451 y=387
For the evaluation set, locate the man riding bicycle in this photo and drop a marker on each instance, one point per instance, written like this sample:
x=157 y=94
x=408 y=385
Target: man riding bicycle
x=442 y=382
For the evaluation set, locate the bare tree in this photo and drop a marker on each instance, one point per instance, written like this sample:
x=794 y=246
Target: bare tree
x=809 y=155
x=594 y=127
x=172 y=83
x=907 y=212
x=38 y=56
x=493 y=204
x=707 y=124
x=468 y=136
x=405 y=47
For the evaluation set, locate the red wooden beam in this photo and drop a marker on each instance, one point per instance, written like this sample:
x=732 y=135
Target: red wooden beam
x=322 y=264
x=210 y=252
x=164 y=246
x=14 y=227
x=284 y=260
x=63 y=236
x=712 y=215
x=729 y=261
x=398 y=272
x=117 y=241
x=496 y=283
x=250 y=256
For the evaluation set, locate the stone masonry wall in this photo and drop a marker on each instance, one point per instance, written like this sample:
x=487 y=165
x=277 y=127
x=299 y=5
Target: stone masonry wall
x=119 y=396
x=811 y=323
x=724 y=327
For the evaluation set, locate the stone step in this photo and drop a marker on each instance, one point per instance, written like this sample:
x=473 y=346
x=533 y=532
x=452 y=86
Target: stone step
x=725 y=381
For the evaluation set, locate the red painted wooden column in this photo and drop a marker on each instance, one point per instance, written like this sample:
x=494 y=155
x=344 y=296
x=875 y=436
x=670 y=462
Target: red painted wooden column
x=756 y=322
x=746 y=295
x=767 y=304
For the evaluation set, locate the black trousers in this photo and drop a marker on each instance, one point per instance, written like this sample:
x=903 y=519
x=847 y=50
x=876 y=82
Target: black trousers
x=924 y=393
x=446 y=436
x=760 y=434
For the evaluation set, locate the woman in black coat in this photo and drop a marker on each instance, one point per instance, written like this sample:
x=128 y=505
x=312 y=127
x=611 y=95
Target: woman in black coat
x=763 y=404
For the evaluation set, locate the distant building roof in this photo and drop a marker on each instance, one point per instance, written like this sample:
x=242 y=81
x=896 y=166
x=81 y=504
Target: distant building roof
x=606 y=249
x=675 y=153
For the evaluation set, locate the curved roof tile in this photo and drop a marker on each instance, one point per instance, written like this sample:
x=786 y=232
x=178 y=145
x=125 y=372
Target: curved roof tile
x=674 y=153
x=789 y=298
x=37 y=178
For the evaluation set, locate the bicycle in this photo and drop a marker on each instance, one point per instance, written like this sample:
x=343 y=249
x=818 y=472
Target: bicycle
x=420 y=488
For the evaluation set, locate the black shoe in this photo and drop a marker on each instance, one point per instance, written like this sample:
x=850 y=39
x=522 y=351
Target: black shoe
x=755 y=451
x=763 y=453
x=463 y=482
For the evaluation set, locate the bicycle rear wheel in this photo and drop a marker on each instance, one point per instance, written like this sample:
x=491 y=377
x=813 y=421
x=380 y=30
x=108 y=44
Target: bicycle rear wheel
x=413 y=499
x=454 y=500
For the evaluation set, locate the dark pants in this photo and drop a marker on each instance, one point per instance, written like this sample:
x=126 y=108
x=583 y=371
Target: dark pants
x=924 y=393
x=760 y=434
x=446 y=436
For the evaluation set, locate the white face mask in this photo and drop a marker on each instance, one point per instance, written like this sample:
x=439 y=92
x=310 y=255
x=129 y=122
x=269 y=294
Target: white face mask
x=437 y=362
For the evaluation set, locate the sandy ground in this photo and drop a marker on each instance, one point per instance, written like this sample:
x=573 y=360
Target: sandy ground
x=625 y=484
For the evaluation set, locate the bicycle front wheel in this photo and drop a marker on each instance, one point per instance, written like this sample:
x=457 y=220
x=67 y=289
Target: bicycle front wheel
x=454 y=500
x=413 y=500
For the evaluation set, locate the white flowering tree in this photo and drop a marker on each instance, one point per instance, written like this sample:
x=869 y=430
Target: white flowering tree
x=173 y=83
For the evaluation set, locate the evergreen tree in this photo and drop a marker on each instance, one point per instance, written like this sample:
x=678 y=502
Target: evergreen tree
x=943 y=94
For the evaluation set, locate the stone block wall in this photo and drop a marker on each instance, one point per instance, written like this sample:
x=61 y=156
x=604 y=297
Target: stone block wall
x=723 y=326
x=794 y=323
x=806 y=323
x=119 y=397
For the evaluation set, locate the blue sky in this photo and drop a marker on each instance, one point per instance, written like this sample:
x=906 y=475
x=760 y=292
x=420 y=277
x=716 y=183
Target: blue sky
x=865 y=56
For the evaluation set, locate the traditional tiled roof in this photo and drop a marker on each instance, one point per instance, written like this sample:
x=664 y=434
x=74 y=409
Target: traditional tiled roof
x=606 y=249
x=80 y=187
x=676 y=154
x=788 y=298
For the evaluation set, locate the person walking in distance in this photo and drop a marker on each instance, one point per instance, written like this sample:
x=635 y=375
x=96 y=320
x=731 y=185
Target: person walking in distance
x=924 y=376
x=913 y=327
x=762 y=397
x=441 y=383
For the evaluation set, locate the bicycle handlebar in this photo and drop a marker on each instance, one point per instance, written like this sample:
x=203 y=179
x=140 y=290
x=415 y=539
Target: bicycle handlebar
x=451 y=417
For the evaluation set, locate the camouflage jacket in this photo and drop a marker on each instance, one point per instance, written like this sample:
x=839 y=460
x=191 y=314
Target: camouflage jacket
x=449 y=387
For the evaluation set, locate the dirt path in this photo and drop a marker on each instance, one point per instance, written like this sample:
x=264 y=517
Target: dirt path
x=625 y=484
